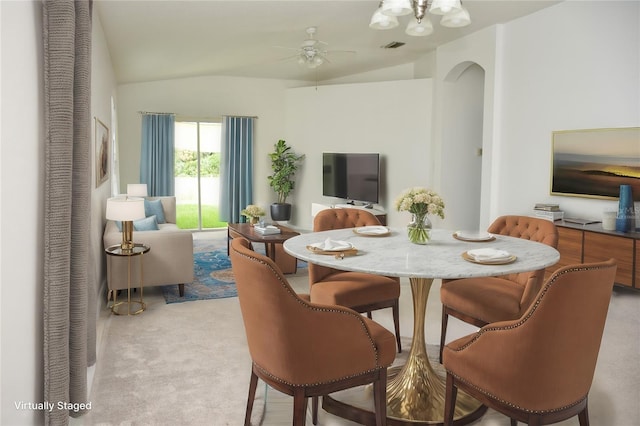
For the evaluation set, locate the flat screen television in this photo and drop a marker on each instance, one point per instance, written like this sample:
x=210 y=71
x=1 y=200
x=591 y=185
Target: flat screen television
x=351 y=176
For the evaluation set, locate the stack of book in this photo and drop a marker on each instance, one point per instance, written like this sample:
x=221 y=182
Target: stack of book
x=550 y=212
x=267 y=229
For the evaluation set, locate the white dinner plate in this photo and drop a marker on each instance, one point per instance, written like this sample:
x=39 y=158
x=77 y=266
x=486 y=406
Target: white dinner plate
x=473 y=236
x=372 y=231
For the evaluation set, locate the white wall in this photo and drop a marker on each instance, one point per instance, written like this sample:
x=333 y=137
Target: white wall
x=103 y=88
x=202 y=98
x=565 y=78
x=582 y=71
x=571 y=66
x=392 y=118
x=21 y=209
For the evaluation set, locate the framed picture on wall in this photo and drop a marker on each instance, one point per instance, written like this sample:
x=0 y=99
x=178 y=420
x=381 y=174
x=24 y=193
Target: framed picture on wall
x=102 y=152
x=595 y=162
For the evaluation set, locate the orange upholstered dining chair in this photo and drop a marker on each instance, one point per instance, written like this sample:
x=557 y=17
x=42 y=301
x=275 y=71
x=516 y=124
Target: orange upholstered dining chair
x=482 y=300
x=359 y=291
x=305 y=349
x=538 y=368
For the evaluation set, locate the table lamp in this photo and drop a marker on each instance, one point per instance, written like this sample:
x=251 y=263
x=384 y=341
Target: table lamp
x=137 y=189
x=126 y=209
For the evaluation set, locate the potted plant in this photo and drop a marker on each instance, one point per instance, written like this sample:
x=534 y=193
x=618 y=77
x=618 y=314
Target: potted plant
x=284 y=163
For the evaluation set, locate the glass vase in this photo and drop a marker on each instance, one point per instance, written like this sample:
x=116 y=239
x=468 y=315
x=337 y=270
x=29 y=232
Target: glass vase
x=419 y=229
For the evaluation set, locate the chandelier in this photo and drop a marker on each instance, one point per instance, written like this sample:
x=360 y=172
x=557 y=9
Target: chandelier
x=454 y=15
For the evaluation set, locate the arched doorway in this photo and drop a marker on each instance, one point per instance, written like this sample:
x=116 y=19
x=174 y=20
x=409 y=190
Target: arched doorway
x=462 y=141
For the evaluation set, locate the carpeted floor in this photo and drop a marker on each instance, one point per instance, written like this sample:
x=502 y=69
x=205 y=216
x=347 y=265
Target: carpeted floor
x=174 y=364
x=188 y=364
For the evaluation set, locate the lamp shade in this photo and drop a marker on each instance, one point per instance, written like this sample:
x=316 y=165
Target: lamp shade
x=420 y=29
x=137 y=189
x=125 y=208
x=443 y=7
x=396 y=7
x=456 y=19
x=380 y=21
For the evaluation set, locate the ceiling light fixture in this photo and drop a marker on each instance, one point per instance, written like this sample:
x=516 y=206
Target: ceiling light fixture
x=454 y=15
x=311 y=56
x=311 y=53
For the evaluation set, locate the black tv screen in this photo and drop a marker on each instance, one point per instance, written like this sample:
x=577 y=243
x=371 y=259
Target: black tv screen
x=351 y=176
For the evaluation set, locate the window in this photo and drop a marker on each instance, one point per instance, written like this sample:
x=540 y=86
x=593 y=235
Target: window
x=197 y=174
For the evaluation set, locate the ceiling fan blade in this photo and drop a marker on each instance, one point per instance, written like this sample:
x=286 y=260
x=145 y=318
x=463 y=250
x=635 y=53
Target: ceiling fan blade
x=285 y=47
x=351 y=52
x=288 y=58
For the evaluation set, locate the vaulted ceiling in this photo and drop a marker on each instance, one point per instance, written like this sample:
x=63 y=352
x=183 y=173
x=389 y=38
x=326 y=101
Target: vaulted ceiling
x=161 y=39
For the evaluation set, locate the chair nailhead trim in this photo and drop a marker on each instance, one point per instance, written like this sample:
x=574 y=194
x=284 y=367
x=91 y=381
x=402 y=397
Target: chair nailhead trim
x=543 y=292
x=526 y=410
x=534 y=307
x=313 y=308
x=278 y=379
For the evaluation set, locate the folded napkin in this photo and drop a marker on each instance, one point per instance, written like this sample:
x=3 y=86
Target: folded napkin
x=488 y=254
x=332 y=245
x=373 y=230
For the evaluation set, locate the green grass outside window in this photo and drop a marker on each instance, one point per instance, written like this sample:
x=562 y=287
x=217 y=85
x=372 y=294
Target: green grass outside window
x=187 y=217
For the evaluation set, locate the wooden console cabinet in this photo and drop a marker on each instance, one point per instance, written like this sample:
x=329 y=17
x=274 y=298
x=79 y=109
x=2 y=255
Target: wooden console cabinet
x=591 y=243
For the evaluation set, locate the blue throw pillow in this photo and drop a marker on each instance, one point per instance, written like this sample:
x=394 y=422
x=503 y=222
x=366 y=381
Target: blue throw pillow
x=154 y=207
x=147 y=224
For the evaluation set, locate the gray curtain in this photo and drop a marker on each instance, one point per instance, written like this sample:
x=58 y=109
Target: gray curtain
x=236 y=167
x=66 y=28
x=157 y=153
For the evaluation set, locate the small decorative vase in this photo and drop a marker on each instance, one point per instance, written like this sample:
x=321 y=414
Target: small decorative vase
x=419 y=229
x=254 y=220
x=625 y=222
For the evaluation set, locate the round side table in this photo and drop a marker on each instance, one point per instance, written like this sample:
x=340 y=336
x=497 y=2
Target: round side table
x=137 y=250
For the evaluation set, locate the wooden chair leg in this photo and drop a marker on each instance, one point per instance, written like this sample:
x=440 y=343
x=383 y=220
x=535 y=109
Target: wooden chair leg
x=443 y=330
x=583 y=417
x=451 y=393
x=380 y=398
x=299 y=407
x=314 y=410
x=181 y=290
x=514 y=422
x=396 y=323
x=369 y=315
x=253 y=384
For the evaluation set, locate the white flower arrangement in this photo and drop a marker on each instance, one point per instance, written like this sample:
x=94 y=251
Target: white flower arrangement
x=253 y=211
x=421 y=202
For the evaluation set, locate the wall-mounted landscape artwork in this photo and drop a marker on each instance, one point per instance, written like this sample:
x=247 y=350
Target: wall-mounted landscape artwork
x=595 y=162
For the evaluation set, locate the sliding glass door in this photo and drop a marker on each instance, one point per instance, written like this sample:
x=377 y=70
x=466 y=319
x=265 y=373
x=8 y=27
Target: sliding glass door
x=197 y=174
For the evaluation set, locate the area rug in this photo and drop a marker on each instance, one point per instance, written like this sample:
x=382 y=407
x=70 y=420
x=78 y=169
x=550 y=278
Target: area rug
x=213 y=277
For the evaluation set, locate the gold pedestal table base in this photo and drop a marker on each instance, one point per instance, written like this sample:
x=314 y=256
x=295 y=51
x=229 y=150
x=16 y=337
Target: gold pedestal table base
x=415 y=391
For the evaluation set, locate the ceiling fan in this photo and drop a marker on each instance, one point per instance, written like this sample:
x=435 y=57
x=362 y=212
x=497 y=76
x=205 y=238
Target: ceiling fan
x=312 y=52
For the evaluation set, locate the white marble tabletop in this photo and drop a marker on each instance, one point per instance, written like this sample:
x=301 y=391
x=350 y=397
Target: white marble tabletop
x=395 y=255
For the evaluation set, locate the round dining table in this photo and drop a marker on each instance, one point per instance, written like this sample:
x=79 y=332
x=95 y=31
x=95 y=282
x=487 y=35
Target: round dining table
x=415 y=391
